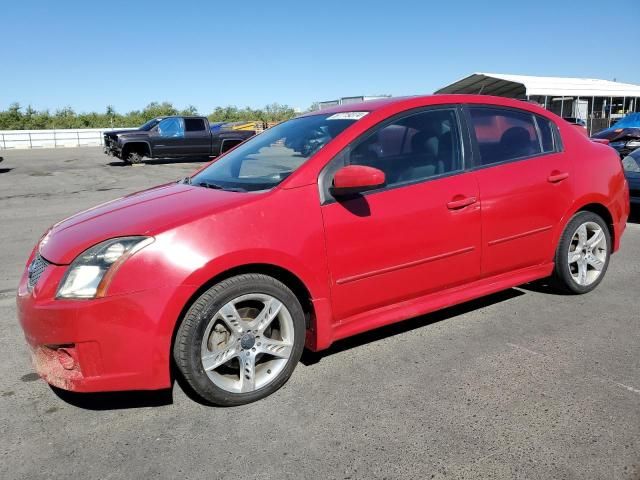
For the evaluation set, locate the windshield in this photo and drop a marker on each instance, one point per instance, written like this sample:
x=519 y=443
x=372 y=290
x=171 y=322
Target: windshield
x=150 y=124
x=267 y=159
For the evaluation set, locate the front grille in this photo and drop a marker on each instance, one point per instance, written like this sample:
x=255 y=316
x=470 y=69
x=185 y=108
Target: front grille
x=36 y=268
x=634 y=193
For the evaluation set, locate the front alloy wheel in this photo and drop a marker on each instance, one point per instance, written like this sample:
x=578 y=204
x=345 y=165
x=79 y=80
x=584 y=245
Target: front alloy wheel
x=240 y=340
x=247 y=343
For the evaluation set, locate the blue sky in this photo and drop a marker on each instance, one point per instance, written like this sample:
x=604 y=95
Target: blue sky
x=128 y=53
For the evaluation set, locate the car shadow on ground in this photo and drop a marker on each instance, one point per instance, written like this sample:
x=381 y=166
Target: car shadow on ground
x=5 y=170
x=159 y=161
x=543 y=286
x=116 y=400
x=309 y=358
x=140 y=399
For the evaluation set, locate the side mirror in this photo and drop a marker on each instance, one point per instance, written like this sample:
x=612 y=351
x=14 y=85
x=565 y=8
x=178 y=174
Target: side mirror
x=355 y=179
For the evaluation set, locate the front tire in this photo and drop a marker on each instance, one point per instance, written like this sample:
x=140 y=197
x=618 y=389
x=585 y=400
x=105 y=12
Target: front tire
x=240 y=340
x=133 y=158
x=582 y=255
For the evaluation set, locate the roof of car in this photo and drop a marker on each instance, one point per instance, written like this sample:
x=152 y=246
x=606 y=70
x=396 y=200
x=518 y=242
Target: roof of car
x=373 y=105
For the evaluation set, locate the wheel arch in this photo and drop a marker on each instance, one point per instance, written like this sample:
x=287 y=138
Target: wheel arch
x=144 y=148
x=596 y=206
x=604 y=213
x=288 y=278
x=234 y=141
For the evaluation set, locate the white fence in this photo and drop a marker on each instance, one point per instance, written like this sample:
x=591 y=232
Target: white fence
x=85 y=137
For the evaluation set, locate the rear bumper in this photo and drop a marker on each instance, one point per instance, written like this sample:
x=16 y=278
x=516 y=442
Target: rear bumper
x=620 y=210
x=114 y=343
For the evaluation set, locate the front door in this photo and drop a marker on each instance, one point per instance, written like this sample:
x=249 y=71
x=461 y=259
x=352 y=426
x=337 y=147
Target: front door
x=167 y=138
x=417 y=235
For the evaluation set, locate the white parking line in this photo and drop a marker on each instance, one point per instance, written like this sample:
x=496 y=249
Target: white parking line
x=631 y=389
x=523 y=348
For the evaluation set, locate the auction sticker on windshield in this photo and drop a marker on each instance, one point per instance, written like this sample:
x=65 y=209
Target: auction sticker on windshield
x=347 y=116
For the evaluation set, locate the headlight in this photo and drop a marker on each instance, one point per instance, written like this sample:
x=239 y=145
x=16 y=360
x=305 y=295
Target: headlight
x=630 y=164
x=90 y=273
x=633 y=144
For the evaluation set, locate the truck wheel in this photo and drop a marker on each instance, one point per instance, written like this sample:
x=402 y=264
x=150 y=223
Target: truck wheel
x=133 y=158
x=241 y=340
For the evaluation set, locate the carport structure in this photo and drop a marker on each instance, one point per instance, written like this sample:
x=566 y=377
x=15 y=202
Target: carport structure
x=597 y=102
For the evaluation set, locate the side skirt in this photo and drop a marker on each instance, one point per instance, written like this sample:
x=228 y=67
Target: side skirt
x=379 y=317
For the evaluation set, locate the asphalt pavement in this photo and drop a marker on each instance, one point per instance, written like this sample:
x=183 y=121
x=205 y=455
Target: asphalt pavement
x=521 y=384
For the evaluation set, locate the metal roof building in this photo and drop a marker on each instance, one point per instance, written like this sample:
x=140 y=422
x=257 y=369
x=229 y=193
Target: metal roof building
x=349 y=100
x=598 y=102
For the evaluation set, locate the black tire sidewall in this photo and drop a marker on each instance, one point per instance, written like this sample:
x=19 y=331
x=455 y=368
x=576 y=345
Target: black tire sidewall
x=563 y=277
x=189 y=337
x=134 y=158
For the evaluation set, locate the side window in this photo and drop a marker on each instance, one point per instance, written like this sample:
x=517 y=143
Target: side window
x=546 y=134
x=194 y=125
x=412 y=148
x=171 y=127
x=504 y=135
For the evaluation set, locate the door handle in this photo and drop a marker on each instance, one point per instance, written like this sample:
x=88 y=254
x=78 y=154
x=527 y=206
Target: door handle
x=461 y=202
x=557 y=176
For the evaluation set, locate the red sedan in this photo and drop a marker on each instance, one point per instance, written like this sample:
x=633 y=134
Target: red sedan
x=322 y=227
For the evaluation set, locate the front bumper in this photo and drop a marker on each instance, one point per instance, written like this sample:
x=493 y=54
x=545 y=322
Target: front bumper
x=121 y=342
x=111 y=147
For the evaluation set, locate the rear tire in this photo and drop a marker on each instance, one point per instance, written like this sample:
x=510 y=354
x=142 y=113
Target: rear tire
x=240 y=340
x=582 y=255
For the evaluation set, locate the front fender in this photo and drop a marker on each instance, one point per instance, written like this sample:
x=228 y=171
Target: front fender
x=259 y=257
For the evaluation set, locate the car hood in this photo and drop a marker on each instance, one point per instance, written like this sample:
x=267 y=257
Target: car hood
x=119 y=132
x=144 y=213
x=133 y=134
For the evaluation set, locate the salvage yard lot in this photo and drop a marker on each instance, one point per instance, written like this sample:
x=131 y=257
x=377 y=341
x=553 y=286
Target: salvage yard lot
x=521 y=384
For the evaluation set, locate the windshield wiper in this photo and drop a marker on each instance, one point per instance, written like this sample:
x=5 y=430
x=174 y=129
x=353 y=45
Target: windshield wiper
x=185 y=180
x=210 y=185
x=215 y=186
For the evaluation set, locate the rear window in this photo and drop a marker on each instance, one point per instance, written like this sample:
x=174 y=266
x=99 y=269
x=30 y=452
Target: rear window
x=194 y=124
x=546 y=134
x=504 y=135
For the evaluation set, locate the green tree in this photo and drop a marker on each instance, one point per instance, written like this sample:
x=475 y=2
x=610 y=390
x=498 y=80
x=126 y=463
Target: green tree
x=14 y=118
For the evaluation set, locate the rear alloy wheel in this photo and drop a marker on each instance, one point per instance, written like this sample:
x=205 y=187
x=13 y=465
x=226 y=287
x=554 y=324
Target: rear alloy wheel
x=241 y=340
x=583 y=253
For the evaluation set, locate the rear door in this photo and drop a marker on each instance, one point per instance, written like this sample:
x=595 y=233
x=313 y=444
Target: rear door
x=197 y=137
x=418 y=234
x=525 y=186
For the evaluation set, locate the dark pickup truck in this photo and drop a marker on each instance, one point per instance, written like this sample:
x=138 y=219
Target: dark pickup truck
x=172 y=137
